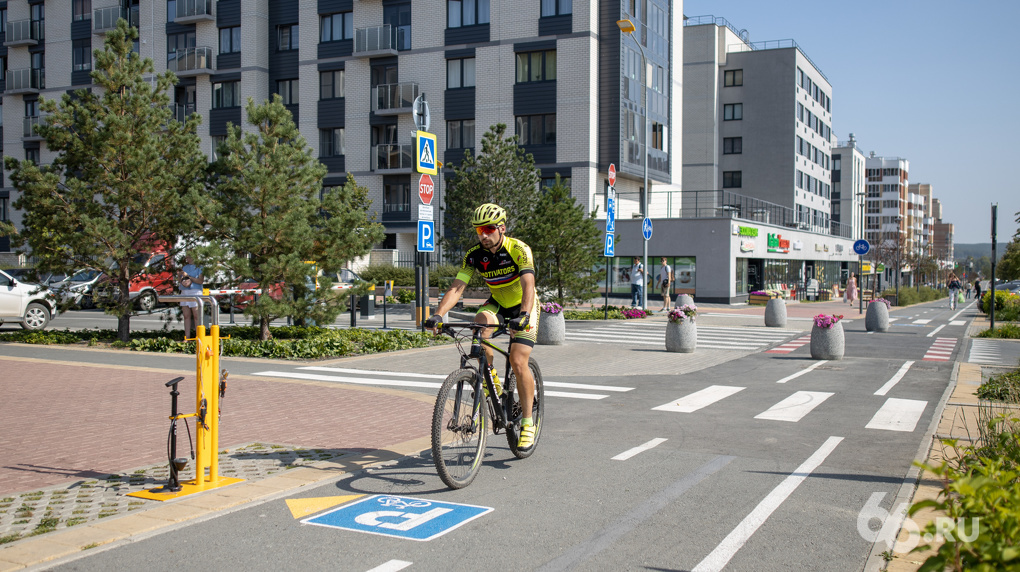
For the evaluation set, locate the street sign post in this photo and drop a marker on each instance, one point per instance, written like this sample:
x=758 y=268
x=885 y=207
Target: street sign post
x=646 y=228
x=425 y=158
x=421 y=113
x=611 y=216
x=425 y=189
x=612 y=175
x=610 y=246
x=861 y=247
x=426 y=236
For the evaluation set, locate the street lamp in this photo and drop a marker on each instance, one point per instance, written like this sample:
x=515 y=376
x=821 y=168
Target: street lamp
x=627 y=27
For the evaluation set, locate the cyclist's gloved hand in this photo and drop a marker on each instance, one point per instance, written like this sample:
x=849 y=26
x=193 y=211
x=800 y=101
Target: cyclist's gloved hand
x=433 y=322
x=520 y=323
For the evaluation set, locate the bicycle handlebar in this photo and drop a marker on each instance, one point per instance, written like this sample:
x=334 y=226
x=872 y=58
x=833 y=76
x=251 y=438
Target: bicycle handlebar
x=451 y=327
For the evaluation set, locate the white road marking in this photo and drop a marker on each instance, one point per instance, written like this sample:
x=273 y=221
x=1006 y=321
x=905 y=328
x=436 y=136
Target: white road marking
x=795 y=407
x=736 y=539
x=958 y=323
x=355 y=380
x=802 y=372
x=639 y=449
x=373 y=372
x=897 y=415
x=921 y=321
x=391 y=566
x=575 y=395
x=894 y=379
x=935 y=331
x=699 y=399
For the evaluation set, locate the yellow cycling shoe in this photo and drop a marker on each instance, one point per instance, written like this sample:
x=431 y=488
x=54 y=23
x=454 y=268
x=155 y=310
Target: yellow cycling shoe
x=527 y=437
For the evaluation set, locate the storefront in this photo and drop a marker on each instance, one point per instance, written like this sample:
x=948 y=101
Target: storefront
x=725 y=259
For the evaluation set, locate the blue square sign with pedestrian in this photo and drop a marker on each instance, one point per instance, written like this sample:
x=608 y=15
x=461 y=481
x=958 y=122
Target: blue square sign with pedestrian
x=402 y=517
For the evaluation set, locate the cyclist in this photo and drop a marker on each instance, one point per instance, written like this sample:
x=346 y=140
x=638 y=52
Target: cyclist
x=508 y=268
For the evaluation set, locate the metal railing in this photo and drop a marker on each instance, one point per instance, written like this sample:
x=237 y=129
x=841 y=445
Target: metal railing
x=183 y=110
x=191 y=59
x=105 y=19
x=373 y=39
x=22 y=30
x=393 y=96
x=392 y=157
x=190 y=8
x=26 y=78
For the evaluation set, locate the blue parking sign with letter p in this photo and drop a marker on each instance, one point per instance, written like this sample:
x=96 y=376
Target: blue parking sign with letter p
x=402 y=517
x=426 y=236
x=610 y=247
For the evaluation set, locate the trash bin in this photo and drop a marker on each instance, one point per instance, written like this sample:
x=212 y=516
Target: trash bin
x=367 y=304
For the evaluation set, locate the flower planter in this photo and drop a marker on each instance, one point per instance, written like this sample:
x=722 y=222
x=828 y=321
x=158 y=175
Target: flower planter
x=827 y=343
x=552 y=329
x=682 y=299
x=681 y=337
x=877 y=318
x=775 y=313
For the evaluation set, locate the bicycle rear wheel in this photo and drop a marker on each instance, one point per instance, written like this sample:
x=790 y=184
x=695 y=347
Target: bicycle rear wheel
x=458 y=437
x=513 y=431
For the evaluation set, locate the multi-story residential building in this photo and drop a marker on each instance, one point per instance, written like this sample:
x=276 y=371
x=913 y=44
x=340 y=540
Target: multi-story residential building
x=558 y=73
x=890 y=209
x=848 y=186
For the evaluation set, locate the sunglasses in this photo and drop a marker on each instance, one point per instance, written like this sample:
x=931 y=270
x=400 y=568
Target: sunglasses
x=487 y=229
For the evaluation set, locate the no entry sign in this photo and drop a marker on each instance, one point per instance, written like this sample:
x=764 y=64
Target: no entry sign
x=425 y=189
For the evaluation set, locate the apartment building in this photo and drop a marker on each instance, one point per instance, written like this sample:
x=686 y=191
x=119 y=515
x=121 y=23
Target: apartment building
x=848 y=186
x=558 y=73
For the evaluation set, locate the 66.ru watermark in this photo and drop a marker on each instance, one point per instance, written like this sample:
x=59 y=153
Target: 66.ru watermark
x=946 y=529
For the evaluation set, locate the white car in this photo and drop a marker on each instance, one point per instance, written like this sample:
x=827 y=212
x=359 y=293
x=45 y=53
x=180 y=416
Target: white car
x=29 y=304
x=77 y=288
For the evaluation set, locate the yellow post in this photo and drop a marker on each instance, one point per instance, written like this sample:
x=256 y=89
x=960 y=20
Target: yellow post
x=214 y=402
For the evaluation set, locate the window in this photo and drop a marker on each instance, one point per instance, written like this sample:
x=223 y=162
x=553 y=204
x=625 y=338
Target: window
x=556 y=7
x=460 y=73
x=171 y=10
x=226 y=94
x=217 y=142
x=733 y=78
x=658 y=136
x=536 y=129
x=38 y=12
x=331 y=142
x=398 y=17
x=32 y=155
x=732 y=145
x=176 y=42
x=460 y=134
x=396 y=197
x=336 y=27
x=536 y=66
x=461 y=13
x=230 y=40
x=38 y=60
x=331 y=84
x=81 y=10
x=733 y=111
x=731 y=179
x=550 y=181
x=287 y=37
x=3 y=209
x=81 y=54
x=32 y=108
x=288 y=90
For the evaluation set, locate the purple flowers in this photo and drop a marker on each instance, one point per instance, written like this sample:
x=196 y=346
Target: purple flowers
x=632 y=313
x=683 y=313
x=887 y=303
x=827 y=321
x=552 y=308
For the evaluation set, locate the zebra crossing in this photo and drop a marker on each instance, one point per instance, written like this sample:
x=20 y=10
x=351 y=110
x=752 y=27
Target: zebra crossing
x=894 y=414
x=654 y=334
x=428 y=381
x=941 y=349
x=994 y=352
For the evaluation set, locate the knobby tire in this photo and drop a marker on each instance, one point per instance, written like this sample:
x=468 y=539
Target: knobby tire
x=458 y=453
x=513 y=431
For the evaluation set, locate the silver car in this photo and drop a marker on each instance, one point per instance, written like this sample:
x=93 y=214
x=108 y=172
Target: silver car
x=27 y=303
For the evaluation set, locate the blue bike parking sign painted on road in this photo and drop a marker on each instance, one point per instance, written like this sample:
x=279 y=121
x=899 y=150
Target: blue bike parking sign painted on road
x=402 y=517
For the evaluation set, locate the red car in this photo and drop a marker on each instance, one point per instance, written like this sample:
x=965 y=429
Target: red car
x=342 y=280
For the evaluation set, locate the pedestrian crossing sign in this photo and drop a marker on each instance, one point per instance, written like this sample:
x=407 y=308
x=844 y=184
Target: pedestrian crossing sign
x=426 y=146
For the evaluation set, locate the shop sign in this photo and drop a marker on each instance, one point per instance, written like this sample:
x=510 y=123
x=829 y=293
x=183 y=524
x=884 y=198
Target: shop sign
x=747 y=231
x=839 y=248
x=798 y=245
x=746 y=245
x=778 y=244
x=818 y=247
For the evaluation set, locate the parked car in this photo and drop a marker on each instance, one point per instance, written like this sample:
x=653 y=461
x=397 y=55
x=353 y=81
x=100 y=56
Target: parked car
x=156 y=279
x=342 y=280
x=29 y=275
x=78 y=289
x=27 y=303
x=1012 y=287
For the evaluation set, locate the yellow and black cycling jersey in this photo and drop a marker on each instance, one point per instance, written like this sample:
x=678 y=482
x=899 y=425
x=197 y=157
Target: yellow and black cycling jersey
x=501 y=270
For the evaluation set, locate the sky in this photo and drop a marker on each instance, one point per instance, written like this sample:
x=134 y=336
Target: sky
x=932 y=82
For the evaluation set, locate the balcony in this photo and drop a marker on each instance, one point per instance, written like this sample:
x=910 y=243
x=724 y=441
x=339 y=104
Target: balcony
x=105 y=19
x=182 y=111
x=393 y=159
x=394 y=98
x=25 y=80
x=194 y=11
x=374 y=41
x=25 y=33
x=191 y=62
x=31 y=133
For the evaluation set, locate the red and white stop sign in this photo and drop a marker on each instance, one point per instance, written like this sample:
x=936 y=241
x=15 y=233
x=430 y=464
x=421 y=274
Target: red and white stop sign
x=612 y=174
x=425 y=189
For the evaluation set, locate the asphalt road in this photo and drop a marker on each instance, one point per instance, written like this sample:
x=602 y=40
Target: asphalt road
x=759 y=462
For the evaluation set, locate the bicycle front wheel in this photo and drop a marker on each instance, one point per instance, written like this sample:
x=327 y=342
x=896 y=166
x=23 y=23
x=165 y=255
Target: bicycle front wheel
x=459 y=424
x=537 y=407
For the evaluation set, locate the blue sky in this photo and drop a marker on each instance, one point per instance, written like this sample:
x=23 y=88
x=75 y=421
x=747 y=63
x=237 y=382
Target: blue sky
x=933 y=82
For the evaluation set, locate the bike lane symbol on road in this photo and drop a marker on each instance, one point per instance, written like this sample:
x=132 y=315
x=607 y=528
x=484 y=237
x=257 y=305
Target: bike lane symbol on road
x=402 y=517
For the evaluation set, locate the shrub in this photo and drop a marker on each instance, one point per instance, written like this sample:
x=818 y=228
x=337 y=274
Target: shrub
x=1007 y=331
x=378 y=273
x=1005 y=387
x=405 y=296
x=1007 y=305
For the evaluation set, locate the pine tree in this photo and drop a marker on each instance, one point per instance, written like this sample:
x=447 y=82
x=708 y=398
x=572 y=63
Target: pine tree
x=567 y=246
x=503 y=174
x=126 y=173
x=1009 y=264
x=272 y=222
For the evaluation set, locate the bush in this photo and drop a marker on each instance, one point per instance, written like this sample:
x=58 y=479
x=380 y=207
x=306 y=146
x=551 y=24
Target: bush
x=599 y=313
x=440 y=275
x=1007 y=331
x=910 y=295
x=1007 y=305
x=405 y=296
x=1005 y=387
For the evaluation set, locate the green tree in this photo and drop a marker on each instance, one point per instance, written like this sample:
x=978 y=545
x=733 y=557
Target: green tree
x=567 y=246
x=1009 y=265
x=271 y=221
x=503 y=174
x=126 y=173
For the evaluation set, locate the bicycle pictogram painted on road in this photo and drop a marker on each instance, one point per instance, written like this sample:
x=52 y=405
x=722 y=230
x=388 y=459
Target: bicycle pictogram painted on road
x=402 y=517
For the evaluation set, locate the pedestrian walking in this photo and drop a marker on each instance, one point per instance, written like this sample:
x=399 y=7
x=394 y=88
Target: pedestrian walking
x=954 y=289
x=851 y=289
x=977 y=291
x=637 y=282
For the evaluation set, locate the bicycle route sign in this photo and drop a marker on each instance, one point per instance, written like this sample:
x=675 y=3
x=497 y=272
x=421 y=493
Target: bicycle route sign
x=400 y=517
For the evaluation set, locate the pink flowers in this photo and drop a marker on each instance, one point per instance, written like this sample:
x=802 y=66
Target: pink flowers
x=552 y=308
x=632 y=313
x=827 y=321
x=683 y=313
x=887 y=303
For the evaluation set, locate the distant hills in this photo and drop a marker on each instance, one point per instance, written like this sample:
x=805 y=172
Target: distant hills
x=977 y=250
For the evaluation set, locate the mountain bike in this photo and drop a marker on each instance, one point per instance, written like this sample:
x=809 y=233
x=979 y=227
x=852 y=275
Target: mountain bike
x=469 y=404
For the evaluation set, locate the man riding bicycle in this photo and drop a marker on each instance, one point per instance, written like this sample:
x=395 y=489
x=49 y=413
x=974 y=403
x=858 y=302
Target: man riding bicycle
x=508 y=268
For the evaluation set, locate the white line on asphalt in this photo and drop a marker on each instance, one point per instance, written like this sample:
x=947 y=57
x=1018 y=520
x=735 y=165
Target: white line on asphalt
x=935 y=331
x=587 y=386
x=373 y=372
x=698 y=399
x=575 y=395
x=957 y=315
x=897 y=415
x=801 y=372
x=736 y=539
x=639 y=449
x=921 y=321
x=391 y=566
x=894 y=379
x=355 y=380
x=795 y=407
x=958 y=323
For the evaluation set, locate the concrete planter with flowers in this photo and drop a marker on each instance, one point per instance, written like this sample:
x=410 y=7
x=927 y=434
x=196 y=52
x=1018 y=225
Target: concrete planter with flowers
x=681 y=330
x=552 y=327
x=827 y=340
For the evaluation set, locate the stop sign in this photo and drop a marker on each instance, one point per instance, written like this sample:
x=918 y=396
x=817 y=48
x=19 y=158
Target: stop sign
x=425 y=189
x=612 y=174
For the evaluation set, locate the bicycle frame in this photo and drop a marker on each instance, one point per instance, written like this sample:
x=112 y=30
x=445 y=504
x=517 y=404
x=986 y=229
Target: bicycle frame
x=499 y=411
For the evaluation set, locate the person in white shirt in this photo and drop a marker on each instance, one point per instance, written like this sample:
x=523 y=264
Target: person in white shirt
x=637 y=282
x=665 y=284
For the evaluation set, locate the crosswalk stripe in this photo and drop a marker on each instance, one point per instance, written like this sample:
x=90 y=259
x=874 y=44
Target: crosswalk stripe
x=795 y=407
x=802 y=372
x=699 y=399
x=373 y=372
x=958 y=323
x=921 y=321
x=894 y=379
x=898 y=415
x=346 y=379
